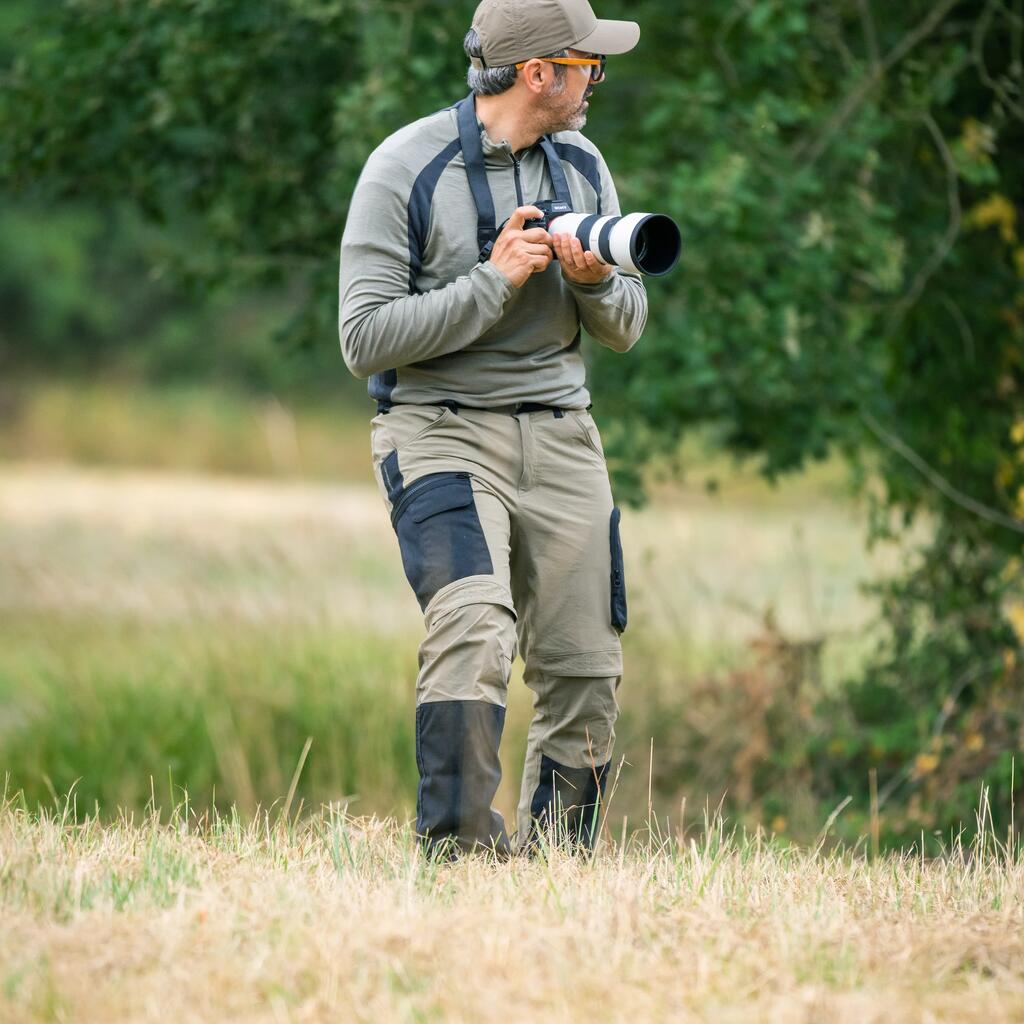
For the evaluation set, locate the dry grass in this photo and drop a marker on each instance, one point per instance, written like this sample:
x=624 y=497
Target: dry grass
x=341 y=919
x=191 y=429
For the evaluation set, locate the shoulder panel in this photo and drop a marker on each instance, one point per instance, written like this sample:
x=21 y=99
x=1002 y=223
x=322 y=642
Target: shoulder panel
x=578 y=151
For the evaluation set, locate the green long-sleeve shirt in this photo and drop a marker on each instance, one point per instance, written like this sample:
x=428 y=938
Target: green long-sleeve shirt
x=427 y=322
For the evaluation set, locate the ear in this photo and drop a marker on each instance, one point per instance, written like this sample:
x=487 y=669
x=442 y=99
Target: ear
x=534 y=74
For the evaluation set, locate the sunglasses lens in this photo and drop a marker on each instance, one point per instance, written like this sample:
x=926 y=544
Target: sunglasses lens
x=597 y=71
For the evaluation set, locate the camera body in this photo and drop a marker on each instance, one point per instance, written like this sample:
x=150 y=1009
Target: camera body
x=551 y=208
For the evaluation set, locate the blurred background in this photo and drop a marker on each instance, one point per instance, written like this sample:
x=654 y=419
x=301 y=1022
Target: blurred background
x=819 y=440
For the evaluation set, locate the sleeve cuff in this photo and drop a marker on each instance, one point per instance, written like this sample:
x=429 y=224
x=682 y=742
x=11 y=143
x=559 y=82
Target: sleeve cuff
x=496 y=279
x=597 y=290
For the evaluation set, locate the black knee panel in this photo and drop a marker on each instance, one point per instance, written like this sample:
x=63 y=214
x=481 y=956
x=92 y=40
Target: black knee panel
x=571 y=798
x=457 y=756
x=439 y=530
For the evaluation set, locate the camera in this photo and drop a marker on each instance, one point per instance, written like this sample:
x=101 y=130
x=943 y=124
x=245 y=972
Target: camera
x=646 y=243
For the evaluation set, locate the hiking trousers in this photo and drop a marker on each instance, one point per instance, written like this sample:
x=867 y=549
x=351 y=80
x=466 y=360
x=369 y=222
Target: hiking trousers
x=510 y=541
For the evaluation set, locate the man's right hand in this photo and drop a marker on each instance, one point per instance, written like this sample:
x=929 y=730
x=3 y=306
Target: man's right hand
x=518 y=253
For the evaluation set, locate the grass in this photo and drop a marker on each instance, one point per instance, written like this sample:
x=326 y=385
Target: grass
x=114 y=704
x=185 y=428
x=206 y=739
x=159 y=625
x=205 y=917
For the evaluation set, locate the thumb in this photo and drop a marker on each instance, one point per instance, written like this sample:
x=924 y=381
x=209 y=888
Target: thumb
x=521 y=215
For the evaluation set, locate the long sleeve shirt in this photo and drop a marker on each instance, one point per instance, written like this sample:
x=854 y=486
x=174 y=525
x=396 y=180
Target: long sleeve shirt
x=426 y=322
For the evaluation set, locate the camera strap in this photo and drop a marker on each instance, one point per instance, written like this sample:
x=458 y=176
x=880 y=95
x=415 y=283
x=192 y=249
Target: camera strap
x=476 y=172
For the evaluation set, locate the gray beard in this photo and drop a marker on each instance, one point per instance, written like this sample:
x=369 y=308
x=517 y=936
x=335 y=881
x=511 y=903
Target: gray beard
x=575 y=123
x=562 y=122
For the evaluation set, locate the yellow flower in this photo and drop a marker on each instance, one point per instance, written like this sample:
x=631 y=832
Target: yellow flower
x=778 y=823
x=974 y=742
x=924 y=764
x=1015 y=614
x=977 y=138
x=996 y=211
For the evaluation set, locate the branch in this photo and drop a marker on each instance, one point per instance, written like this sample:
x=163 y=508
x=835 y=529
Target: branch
x=966 y=334
x=978 y=52
x=1017 y=22
x=946 y=710
x=948 y=239
x=728 y=24
x=870 y=36
x=938 y=481
x=811 y=150
x=834 y=33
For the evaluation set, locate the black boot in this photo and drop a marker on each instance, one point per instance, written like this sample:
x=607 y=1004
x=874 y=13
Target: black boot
x=570 y=800
x=457 y=756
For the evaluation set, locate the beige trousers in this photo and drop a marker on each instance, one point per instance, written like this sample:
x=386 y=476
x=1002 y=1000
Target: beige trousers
x=509 y=538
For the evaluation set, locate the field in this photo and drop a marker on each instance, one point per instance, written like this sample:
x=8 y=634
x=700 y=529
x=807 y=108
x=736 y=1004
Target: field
x=206 y=760
x=165 y=629
x=204 y=919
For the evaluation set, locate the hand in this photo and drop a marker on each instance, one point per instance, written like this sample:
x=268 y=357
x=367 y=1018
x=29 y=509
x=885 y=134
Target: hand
x=518 y=253
x=579 y=266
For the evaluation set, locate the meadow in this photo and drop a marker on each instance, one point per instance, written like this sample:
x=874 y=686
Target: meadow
x=207 y=772
x=206 y=918
x=172 y=626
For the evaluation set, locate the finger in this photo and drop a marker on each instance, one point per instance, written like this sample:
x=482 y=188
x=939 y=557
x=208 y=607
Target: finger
x=540 y=262
x=521 y=215
x=536 y=250
x=537 y=235
x=578 y=255
x=564 y=252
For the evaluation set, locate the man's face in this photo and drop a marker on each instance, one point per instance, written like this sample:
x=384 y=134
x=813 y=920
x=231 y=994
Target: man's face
x=566 y=102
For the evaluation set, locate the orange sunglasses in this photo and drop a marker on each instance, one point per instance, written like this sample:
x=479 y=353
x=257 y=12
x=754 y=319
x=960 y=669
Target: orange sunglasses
x=596 y=64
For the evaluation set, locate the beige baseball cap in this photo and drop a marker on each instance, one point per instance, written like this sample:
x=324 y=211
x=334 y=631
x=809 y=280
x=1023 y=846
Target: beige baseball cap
x=512 y=31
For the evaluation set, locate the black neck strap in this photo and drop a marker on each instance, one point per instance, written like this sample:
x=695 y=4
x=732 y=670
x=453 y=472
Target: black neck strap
x=473 y=154
x=476 y=172
x=556 y=171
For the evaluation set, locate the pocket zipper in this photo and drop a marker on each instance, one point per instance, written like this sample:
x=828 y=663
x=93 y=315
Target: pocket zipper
x=427 y=483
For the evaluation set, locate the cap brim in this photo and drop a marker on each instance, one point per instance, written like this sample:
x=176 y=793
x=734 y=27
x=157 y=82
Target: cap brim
x=610 y=37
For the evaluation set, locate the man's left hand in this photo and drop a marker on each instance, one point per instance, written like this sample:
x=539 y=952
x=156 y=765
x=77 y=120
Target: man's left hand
x=577 y=265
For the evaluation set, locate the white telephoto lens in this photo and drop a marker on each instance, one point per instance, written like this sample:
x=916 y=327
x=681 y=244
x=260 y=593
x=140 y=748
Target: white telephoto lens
x=643 y=243
x=570 y=224
x=621 y=241
x=567 y=224
x=595 y=237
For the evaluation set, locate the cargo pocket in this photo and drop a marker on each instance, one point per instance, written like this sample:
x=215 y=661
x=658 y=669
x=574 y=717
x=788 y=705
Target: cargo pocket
x=618 y=575
x=439 y=533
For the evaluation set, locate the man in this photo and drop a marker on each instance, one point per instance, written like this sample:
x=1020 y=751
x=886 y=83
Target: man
x=483 y=446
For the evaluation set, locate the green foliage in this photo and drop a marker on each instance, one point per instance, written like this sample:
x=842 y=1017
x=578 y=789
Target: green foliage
x=847 y=178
